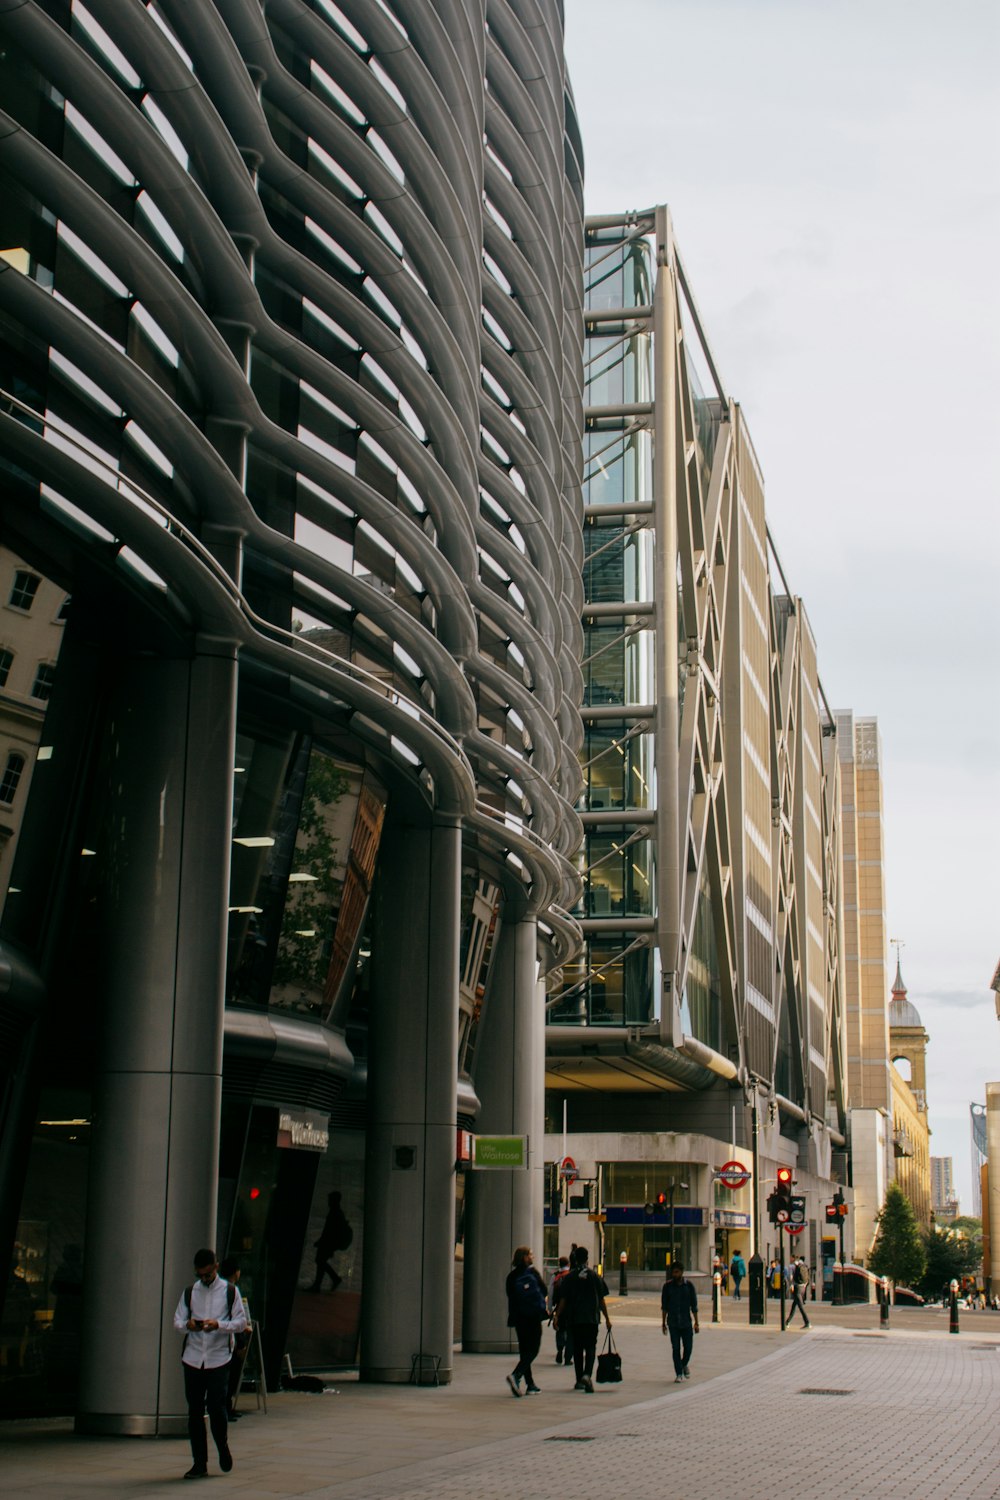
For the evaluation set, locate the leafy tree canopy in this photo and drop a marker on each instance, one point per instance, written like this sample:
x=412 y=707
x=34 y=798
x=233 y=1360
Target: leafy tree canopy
x=967 y=1225
x=898 y=1251
x=949 y=1255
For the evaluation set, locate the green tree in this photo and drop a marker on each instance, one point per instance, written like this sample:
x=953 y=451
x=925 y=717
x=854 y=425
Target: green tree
x=949 y=1254
x=898 y=1251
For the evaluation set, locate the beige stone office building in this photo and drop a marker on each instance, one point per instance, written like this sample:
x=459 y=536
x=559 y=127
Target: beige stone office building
x=869 y=1083
x=703 y=1021
x=910 y=1132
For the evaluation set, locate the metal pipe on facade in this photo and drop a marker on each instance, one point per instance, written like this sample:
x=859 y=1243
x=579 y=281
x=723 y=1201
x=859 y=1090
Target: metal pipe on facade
x=668 y=883
x=788 y=1108
x=708 y=1057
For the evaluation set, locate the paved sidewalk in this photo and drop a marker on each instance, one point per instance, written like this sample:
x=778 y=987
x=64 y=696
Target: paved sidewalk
x=919 y=1419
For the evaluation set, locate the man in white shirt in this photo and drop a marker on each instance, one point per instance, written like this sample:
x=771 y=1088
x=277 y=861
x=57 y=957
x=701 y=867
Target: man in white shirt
x=208 y=1314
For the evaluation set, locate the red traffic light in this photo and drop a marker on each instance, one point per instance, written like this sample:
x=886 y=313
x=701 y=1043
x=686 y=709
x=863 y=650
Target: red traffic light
x=661 y=1200
x=784 y=1176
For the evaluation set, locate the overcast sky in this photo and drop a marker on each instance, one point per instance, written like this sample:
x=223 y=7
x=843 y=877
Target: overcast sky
x=832 y=172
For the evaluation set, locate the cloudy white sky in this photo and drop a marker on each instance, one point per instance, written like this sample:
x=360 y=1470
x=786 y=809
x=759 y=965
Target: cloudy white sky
x=833 y=172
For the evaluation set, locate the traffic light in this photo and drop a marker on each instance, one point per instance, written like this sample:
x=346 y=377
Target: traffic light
x=661 y=1203
x=779 y=1204
x=797 y=1209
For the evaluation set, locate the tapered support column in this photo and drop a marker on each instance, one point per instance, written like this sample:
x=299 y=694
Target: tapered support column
x=409 y=1261
x=504 y=1209
x=164 y=871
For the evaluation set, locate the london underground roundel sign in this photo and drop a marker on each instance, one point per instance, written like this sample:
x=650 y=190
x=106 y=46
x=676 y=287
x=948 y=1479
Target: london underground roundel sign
x=794 y=1228
x=733 y=1175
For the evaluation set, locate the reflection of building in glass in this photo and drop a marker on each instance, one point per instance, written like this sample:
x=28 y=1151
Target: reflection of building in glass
x=290 y=365
x=980 y=1154
x=33 y=614
x=712 y=862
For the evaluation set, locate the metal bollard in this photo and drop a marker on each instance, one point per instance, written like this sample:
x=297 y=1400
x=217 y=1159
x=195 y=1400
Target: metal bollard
x=623 y=1274
x=716 y=1298
x=953 y=1307
x=883 y=1312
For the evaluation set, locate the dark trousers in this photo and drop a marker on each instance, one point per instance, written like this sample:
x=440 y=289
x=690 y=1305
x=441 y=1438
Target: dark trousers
x=737 y=1281
x=797 y=1303
x=529 y=1338
x=584 y=1337
x=564 y=1343
x=681 y=1344
x=206 y=1388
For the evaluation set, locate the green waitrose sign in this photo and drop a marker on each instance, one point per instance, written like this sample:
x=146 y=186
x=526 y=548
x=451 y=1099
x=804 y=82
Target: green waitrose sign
x=510 y=1151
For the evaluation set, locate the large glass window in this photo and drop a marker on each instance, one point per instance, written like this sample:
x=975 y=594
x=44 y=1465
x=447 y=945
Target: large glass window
x=701 y=1005
x=24 y=589
x=618 y=766
x=650 y=1249
x=45 y=676
x=619 y=873
x=609 y=983
x=306 y=831
x=11 y=777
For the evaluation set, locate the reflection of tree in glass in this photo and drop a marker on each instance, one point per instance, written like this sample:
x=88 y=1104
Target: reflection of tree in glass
x=306 y=928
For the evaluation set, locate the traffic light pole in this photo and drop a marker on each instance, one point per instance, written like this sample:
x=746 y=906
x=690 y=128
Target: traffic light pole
x=840 y=1227
x=781 y=1262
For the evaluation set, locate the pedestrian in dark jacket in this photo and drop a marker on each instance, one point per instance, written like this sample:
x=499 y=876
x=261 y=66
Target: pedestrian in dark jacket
x=679 y=1306
x=581 y=1306
x=527 y=1310
x=737 y=1270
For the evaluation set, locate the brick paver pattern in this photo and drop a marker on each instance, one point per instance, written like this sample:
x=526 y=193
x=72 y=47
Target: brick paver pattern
x=904 y=1416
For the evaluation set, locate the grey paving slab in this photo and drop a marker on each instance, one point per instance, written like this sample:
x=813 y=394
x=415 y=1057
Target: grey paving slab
x=916 y=1422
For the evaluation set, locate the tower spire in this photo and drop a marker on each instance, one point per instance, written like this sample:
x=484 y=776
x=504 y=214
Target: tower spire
x=898 y=988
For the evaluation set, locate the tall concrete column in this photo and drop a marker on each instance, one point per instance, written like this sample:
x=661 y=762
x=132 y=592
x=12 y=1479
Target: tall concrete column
x=991 y=1201
x=164 y=874
x=505 y=1209
x=409 y=1256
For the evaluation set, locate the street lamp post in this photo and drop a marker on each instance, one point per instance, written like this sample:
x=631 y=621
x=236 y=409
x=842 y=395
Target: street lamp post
x=672 y=1187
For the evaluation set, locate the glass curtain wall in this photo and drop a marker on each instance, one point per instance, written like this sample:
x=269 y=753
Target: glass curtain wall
x=611 y=981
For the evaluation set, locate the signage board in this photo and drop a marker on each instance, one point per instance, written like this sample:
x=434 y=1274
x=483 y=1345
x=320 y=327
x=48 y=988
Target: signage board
x=733 y=1175
x=504 y=1152
x=303 y=1130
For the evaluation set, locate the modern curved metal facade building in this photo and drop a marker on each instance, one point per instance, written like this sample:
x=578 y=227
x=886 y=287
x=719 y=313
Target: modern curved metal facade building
x=291 y=417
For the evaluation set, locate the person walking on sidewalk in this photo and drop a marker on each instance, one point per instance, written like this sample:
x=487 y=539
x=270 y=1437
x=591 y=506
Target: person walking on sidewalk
x=582 y=1304
x=210 y=1312
x=564 y=1348
x=679 y=1307
x=527 y=1310
x=737 y=1270
x=800 y=1286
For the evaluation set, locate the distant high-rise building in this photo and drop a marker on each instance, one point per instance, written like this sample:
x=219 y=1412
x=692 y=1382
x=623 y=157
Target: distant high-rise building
x=869 y=1084
x=944 y=1199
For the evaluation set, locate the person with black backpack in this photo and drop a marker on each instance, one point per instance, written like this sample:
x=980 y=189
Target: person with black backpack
x=801 y=1281
x=209 y=1313
x=527 y=1310
x=581 y=1306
